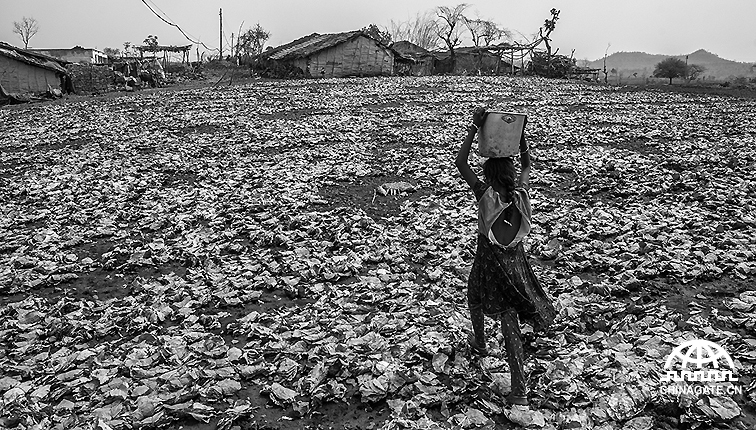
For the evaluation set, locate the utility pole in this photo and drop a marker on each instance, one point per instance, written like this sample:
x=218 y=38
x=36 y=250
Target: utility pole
x=686 y=69
x=232 y=45
x=220 y=39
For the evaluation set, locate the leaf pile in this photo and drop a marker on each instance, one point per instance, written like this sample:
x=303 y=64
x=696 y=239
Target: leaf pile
x=166 y=257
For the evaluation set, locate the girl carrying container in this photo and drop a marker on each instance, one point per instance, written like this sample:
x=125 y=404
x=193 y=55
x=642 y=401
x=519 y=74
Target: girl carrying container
x=502 y=284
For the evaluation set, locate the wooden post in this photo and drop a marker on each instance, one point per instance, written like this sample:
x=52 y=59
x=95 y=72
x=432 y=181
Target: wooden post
x=220 y=39
x=522 y=64
x=511 y=60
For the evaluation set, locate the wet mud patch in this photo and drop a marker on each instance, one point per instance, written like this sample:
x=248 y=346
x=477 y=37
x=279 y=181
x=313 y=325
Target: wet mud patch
x=174 y=178
x=14 y=149
x=294 y=114
x=198 y=129
x=702 y=298
x=362 y=193
x=348 y=415
x=696 y=298
x=98 y=284
x=262 y=302
x=646 y=148
x=74 y=144
x=8 y=169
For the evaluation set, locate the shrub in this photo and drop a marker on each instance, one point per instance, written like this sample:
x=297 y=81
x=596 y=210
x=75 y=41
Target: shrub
x=560 y=66
x=275 y=69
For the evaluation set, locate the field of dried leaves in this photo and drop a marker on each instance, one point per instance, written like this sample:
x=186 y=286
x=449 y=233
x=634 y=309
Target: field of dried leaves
x=218 y=257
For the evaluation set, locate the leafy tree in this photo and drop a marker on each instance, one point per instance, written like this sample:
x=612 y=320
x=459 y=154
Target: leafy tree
x=126 y=48
x=695 y=71
x=252 y=41
x=670 y=68
x=420 y=30
x=26 y=29
x=449 y=27
x=151 y=42
x=112 y=52
x=383 y=36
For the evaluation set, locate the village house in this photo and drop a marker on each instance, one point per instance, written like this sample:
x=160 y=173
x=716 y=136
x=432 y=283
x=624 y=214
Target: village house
x=413 y=60
x=471 y=60
x=334 y=55
x=23 y=72
x=77 y=54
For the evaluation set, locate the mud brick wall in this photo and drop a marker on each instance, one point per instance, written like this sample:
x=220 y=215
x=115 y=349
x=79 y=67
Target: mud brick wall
x=92 y=78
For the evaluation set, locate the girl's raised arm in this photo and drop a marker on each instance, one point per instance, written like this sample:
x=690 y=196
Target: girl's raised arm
x=524 y=159
x=464 y=151
x=479 y=117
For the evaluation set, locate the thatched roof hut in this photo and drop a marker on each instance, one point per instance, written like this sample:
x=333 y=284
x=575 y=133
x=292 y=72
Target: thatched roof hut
x=352 y=53
x=26 y=72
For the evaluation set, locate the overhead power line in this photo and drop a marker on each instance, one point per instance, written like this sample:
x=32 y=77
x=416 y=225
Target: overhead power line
x=179 y=28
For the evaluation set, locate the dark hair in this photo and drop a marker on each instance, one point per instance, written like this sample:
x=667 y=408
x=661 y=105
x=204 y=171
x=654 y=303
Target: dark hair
x=501 y=172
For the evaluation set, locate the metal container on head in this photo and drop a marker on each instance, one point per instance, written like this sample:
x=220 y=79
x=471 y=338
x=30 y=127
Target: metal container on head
x=500 y=134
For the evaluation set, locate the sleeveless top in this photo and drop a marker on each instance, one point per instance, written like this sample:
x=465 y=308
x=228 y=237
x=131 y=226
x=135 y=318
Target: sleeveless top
x=491 y=206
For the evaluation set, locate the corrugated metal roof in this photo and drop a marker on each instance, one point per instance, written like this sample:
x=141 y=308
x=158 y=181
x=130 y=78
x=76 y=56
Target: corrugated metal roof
x=308 y=45
x=32 y=58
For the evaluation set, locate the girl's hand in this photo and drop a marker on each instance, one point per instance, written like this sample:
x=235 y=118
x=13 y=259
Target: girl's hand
x=479 y=116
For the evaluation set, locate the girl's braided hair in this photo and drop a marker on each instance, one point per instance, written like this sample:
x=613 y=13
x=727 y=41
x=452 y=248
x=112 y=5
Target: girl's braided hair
x=501 y=172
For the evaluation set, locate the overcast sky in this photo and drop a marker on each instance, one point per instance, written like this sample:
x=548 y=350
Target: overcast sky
x=673 y=27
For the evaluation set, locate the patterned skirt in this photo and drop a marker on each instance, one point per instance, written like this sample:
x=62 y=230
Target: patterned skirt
x=502 y=279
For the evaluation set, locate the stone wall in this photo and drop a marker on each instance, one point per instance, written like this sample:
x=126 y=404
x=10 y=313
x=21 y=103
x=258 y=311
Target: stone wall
x=90 y=78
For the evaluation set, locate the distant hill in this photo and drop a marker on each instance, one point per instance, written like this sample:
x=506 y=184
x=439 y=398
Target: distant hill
x=643 y=64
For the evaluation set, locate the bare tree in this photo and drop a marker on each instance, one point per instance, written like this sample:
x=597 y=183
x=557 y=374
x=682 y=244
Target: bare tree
x=420 y=30
x=475 y=27
x=492 y=32
x=606 y=75
x=449 y=27
x=483 y=33
x=545 y=33
x=26 y=29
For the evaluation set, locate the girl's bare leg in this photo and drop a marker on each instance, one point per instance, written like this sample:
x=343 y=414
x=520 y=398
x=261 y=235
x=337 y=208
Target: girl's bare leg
x=510 y=328
x=478 y=323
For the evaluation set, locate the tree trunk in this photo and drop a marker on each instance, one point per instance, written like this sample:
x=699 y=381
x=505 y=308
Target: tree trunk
x=670 y=81
x=452 y=60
